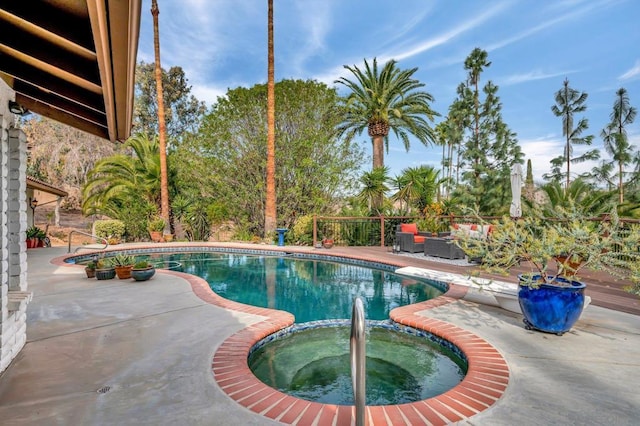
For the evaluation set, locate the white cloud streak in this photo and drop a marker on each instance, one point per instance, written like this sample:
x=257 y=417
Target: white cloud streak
x=632 y=73
x=531 y=76
x=445 y=37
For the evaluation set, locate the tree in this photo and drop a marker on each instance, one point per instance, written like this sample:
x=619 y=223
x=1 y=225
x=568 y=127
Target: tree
x=384 y=101
x=226 y=161
x=579 y=196
x=602 y=173
x=529 y=186
x=62 y=155
x=270 y=202
x=418 y=186
x=568 y=103
x=475 y=64
x=123 y=185
x=164 y=186
x=615 y=137
x=183 y=112
x=374 y=188
x=489 y=148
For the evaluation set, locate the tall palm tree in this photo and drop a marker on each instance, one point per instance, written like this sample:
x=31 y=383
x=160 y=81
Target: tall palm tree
x=270 y=197
x=385 y=100
x=569 y=102
x=615 y=137
x=162 y=128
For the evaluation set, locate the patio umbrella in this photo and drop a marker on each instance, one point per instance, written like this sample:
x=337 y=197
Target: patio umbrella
x=516 y=189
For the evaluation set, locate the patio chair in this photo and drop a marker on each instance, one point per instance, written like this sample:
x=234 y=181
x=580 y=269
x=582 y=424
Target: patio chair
x=409 y=239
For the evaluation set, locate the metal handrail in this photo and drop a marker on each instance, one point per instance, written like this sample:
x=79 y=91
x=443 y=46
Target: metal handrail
x=104 y=240
x=358 y=361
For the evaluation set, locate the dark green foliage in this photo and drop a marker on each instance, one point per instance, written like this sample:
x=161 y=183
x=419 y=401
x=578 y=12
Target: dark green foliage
x=226 y=162
x=183 y=112
x=489 y=147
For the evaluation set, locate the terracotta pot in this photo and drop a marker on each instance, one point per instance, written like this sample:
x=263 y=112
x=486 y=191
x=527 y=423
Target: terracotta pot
x=327 y=243
x=91 y=273
x=156 y=236
x=124 y=272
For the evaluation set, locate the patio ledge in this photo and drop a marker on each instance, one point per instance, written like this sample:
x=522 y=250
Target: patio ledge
x=17 y=299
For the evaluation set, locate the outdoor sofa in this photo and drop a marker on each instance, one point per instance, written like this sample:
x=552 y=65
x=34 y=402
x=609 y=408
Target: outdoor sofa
x=409 y=238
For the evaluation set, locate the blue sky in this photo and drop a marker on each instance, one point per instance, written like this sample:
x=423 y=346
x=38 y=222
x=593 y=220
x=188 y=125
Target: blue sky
x=533 y=47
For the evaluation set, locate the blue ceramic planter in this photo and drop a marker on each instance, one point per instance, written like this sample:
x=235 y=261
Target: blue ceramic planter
x=105 y=274
x=142 y=274
x=551 y=308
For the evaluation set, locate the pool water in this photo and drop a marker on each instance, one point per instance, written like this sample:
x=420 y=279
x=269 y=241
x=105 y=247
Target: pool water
x=309 y=289
x=314 y=365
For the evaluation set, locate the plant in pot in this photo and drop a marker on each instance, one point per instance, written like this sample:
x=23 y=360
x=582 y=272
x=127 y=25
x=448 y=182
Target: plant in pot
x=105 y=269
x=123 y=263
x=32 y=237
x=90 y=269
x=156 y=228
x=551 y=296
x=142 y=271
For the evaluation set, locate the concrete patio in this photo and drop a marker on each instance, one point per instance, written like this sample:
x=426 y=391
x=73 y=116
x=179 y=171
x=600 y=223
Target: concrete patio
x=119 y=353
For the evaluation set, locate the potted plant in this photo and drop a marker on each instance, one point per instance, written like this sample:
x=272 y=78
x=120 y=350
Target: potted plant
x=105 y=269
x=32 y=237
x=90 y=269
x=156 y=227
x=551 y=296
x=142 y=271
x=123 y=263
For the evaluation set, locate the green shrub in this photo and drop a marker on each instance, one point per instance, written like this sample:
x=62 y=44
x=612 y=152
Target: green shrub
x=156 y=224
x=302 y=230
x=109 y=229
x=141 y=264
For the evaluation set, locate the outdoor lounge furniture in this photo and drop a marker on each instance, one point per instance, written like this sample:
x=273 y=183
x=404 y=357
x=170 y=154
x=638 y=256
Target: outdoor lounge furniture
x=443 y=247
x=409 y=239
x=471 y=229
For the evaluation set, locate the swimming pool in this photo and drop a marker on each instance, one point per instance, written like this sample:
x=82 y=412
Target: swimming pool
x=310 y=289
x=484 y=384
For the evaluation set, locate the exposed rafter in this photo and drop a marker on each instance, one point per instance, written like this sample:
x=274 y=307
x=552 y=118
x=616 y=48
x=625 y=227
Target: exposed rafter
x=73 y=60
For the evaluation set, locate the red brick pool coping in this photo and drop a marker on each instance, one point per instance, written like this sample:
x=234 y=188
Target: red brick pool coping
x=484 y=384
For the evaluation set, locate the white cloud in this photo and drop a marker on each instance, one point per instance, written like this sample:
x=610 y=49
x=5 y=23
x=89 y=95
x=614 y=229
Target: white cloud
x=446 y=37
x=632 y=73
x=542 y=150
x=531 y=76
x=575 y=12
x=208 y=93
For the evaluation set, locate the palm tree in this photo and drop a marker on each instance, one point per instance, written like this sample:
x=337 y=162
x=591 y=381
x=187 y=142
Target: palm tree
x=270 y=197
x=602 y=173
x=121 y=179
x=374 y=188
x=579 y=195
x=418 y=186
x=162 y=128
x=569 y=102
x=383 y=101
x=615 y=137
